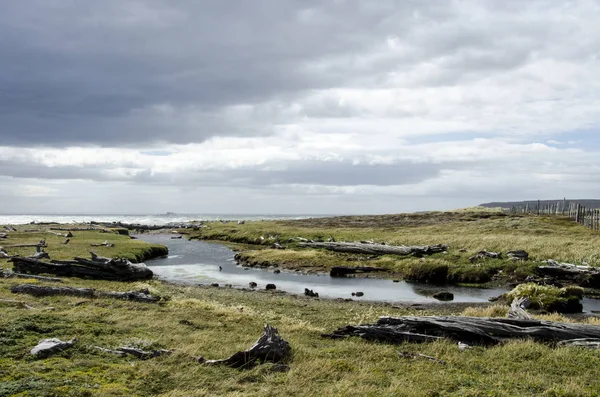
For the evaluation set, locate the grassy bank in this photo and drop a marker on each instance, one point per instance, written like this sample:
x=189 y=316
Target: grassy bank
x=215 y=322
x=466 y=233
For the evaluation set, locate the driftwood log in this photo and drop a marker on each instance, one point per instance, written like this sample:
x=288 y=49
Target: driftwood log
x=103 y=244
x=10 y=302
x=98 y=267
x=485 y=254
x=343 y=271
x=469 y=330
x=138 y=353
x=269 y=347
x=37 y=290
x=10 y=274
x=376 y=249
x=517 y=309
x=585 y=276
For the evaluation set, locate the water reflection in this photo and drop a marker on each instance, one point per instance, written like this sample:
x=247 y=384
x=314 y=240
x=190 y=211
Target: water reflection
x=206 y=263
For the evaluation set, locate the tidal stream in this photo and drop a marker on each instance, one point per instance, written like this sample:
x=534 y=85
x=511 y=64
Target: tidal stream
x=199 y=262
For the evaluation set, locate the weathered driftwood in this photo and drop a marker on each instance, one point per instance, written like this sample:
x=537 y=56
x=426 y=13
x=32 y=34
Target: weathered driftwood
x=269 y=347
x=10 y=302
x=26 y=245
x=518 y=254
x=586 y=276
x=469 y=330
x=485 y=254
x=138 y=353
x=118 y=269
x=590 y=343
x=3 y=235
x=47 y=347
x=9 y=274
x=143 y=354
x=343 y=271
x=77 y=229
x=517 y=309
x=103 y=244
x=376 y=249
x=10 y=228
x=40 y=255
x=37 y=290
x=419 y=355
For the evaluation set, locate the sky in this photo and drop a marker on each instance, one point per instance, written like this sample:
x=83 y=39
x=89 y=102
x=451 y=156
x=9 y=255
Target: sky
x=296 y=107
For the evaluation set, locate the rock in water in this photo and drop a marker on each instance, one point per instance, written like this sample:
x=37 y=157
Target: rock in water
x=48 y=347
x=271 y=286
x=444 y=296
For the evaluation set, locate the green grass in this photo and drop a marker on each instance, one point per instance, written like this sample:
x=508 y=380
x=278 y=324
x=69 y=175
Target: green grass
x=465 y=232
x=80 y=245
x=216 y=322
x=220 y=321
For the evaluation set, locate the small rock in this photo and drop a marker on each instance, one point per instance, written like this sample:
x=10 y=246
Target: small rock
x=214 y=285
x=310 y=292
x=276 y=271
x=270 y=287
x=252 y=284
x=241 y=222
x=47 y=347
x=358 y=293
x=395 y=281
x=444 y=296
x=462 y=250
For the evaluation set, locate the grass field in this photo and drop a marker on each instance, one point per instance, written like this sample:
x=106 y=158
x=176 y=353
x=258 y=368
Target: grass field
x=216 y=322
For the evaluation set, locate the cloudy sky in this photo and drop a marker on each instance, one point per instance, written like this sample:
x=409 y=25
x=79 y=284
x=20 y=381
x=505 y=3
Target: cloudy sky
x=290 y=106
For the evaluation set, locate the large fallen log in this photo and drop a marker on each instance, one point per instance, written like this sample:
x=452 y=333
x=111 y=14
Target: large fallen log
x=37 y=290
x=269 y=347
x=469 y=330
x=376 y=249
x=585 y=276
x=118 y=269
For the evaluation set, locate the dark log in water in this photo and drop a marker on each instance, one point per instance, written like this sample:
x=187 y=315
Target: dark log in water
x=469 y=330
x=376 y=249
x=343 y=271
x=269 y=347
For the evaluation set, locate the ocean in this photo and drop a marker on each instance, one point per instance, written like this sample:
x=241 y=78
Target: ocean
x=143 y=219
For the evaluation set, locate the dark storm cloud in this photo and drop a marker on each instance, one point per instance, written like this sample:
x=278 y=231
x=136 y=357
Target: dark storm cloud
x=94 y=72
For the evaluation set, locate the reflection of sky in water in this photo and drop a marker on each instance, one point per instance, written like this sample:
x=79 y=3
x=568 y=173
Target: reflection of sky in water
x=198 y=262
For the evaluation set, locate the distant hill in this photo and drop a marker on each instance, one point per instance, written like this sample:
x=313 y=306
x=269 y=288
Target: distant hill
x=508 y=204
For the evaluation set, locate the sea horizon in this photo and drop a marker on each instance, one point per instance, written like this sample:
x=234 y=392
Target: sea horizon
x=145 y=219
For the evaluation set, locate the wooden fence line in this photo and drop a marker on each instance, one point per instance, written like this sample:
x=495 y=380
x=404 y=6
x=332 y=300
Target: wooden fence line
x=589 y=217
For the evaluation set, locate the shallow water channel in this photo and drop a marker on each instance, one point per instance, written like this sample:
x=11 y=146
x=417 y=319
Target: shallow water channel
x=198 y=262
